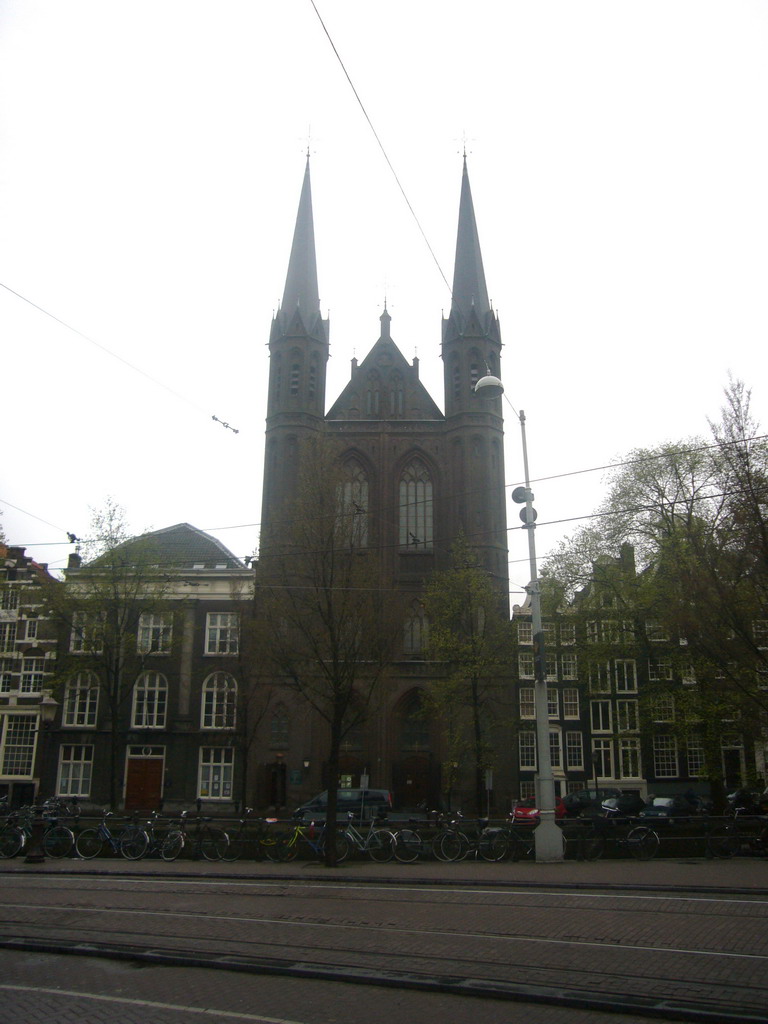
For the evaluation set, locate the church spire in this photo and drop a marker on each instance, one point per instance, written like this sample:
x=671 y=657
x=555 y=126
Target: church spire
x=301 y=293
x=469 y=289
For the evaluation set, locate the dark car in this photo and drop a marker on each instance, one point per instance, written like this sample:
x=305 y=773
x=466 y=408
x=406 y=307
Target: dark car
x=362 y=803
x=748 y=801
x=668 y=808
x=627 y=805
x=582 y=799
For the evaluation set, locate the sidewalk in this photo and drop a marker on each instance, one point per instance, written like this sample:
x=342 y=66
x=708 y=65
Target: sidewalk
x=741 y=874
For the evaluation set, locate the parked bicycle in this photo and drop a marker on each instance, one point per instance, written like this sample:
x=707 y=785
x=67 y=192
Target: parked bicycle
x=310 y=837
x=251 y=838
x=379 y=843
x=739 y=835
x=207 y=841
x=146 y=840
x=640 y=841
x=58 y=839
x=92 y=842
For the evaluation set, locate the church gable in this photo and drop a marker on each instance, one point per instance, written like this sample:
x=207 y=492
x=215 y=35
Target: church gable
x=385 y=386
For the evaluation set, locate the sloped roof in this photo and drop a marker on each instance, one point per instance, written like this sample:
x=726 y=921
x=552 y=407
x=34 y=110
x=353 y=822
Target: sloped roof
x=178 y=547
x=385 y=358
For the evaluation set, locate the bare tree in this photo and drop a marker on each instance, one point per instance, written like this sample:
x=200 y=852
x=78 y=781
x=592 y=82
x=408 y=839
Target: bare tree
x=99 y=609
x=332 y=618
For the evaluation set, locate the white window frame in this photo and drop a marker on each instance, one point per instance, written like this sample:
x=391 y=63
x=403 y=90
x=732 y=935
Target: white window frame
x=556 y=748
x=553 y=702
x=627 y=716
x=32 y=675
x=571 y=702
x=75 y=771
x=222 y=633
x=87 y=636
x=81 y=701
x=155 y=633
x=569 y=665
x=525 y=664
x=150 y=701
x=524 y=631
x=574 y=749
x=600 y=677
x=18 y=744
x=630 y=763
x=665 y=764
x=660 y=670
x=601 y=716
x=216 y=773
x=656 y=632
x=527 y=701
x=218 y=708
x=526 y=745
x=625 y=671
x=602 y=756
x=663 y=707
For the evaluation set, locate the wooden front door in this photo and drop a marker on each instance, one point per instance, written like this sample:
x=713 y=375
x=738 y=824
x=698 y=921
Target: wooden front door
x=144 y=784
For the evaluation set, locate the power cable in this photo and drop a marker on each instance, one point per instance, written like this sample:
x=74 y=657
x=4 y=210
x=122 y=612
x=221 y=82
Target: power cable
x=114 y=355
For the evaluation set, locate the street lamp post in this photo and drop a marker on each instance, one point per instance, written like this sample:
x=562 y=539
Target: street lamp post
x=548 y=837
x=36 y=851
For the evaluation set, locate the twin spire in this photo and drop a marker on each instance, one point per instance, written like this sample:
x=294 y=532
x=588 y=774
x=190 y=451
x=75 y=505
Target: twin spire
x=301 y=295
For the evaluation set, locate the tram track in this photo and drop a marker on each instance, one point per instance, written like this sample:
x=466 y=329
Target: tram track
x=373 y=937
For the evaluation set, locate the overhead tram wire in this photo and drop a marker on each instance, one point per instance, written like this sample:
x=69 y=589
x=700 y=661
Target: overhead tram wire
x=381 y=147
x=549 y=522
x=114 y=355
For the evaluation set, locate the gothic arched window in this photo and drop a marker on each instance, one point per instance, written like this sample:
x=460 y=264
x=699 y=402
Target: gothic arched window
x=416 y=629
x=416 y=531
x=354 y=502
x=279 y=728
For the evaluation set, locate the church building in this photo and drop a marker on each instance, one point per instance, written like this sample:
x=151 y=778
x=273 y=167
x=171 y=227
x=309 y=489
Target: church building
x=422 y=476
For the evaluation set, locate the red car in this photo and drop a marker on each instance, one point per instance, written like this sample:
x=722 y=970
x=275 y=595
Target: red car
x=527 y=813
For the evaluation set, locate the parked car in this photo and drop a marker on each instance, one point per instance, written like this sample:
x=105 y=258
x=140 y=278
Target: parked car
x=581 y=799
x=526 y=812
x=363 y=803
x=748 y=801
x=626 y=805
x=667 y=808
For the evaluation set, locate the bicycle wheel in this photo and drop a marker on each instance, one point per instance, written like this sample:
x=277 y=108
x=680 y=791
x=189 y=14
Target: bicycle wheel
x=268 y=847
x=342 y=847
x=493 y=844
x=643 y=843
x=285 y=850
x=172 y=845
x=134 y=843
x=761 y=841
x=381 y=845
x=11 y=841
x=235 y=849
x=408 y=846
x=453 y=846
x=58 y=841
x=89 y=844
x=213 y=843
x=592 y=846
x=522 y=846
x=723 y=842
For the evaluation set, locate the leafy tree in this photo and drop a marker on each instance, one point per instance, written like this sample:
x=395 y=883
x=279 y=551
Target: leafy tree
x=696 y=516
x=469 y=634
x=99 y=608
x=332 y=616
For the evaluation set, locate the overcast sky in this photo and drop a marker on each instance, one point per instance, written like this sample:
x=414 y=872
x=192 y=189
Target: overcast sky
x=151 y=158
